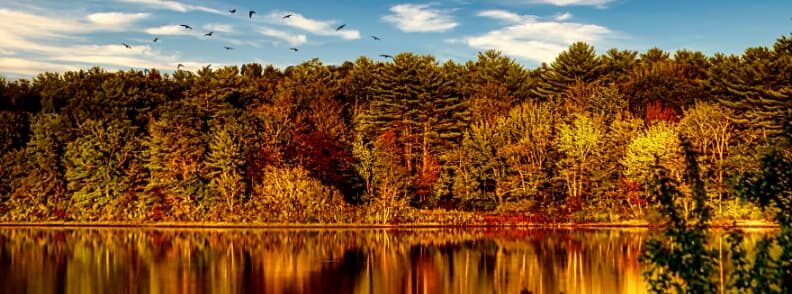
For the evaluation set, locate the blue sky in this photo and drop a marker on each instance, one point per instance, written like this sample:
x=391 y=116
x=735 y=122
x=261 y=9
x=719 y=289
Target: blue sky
x=55 y=35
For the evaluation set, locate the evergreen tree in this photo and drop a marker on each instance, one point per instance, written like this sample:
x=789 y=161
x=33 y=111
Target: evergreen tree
x=652 y=56
x=229 y=142
x=618 y=64
x=578 y=63
x=176 y=153
x=41 y=193
x=758 y=87
x=101 y=164
x=413 y=98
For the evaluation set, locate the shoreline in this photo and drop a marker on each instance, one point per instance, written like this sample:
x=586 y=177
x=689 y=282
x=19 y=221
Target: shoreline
x=220 y=225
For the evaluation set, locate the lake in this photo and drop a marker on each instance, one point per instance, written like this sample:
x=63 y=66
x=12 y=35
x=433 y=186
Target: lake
x=439 y=260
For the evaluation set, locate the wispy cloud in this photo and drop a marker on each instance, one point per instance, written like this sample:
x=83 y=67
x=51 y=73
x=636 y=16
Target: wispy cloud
x=562 y=16
x=172 y=6
x=216 y=27
x=115 y=19
x=595 y=3
x=527 y=37
x=53 y=44
x=29 y=67
x=420 y=18
x=314 y=26
x=291 y=39
x=171 y=30
x=506 y=16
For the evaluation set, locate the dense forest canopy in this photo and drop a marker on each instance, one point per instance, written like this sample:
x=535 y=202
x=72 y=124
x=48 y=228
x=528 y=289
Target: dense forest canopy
x=370 y=141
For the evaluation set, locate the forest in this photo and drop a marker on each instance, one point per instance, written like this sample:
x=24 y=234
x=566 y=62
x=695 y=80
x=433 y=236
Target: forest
x=407 y=140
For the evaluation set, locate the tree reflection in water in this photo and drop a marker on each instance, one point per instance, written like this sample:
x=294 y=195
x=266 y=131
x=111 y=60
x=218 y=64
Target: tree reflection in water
x=311 y=261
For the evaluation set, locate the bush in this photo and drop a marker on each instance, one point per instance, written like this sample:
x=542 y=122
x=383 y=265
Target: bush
x=290 y=195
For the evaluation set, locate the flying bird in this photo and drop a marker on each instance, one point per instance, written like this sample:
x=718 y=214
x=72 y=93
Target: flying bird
x=179 y=66
x=375 y=38
x=126 y=45
x=386 y=56
x=155 y=40
x=209 y=34
x=228 y=48
x=232 y=10
x=294 y=49
x=287 y=16
x=251 y=13
x=340 y=27
x=186 y=26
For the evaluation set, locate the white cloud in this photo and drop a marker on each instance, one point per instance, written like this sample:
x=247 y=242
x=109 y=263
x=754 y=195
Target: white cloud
x=29 y=67
x=292 y=39
x=562 y=16
x=171 y=30
x=597 y=3
x=50 y=45
x=172 y=5
x=115 y=19
x=317 y=27
x=420 y=18
x=506 y=16
x=527 y=37
x=216 y=27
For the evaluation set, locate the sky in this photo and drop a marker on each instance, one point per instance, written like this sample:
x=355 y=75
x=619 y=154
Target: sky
x=54 y=35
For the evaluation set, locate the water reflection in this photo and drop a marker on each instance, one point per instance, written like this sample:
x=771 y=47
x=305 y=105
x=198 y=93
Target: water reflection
x=313 y=261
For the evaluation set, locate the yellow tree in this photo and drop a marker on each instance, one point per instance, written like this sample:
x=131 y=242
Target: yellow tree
x=578 y=141
x=709 y=128
x=659 y=144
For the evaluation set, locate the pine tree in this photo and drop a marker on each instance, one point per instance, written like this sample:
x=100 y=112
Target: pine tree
x=176 y=153
x=413 y=98
x=652 y=56
x=578 y=63
x=101 y=164
x=758 y=86
x=228 y=144
x=41 y=193
x=618 y=64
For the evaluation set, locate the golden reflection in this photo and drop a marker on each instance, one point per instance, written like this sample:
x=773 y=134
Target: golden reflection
x=310 y=261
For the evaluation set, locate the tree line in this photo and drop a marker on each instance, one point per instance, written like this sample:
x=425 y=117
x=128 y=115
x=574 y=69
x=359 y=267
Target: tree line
x=367 y=141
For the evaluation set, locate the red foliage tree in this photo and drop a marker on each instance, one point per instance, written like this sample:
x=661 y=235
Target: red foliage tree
x=656 y=111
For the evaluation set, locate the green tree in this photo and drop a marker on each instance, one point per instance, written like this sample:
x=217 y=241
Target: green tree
x=578 y=63
x=41 y=193
x=176 y=153
x=102 y=163
x=227 y=152
x=758 y=86
x=414 y=98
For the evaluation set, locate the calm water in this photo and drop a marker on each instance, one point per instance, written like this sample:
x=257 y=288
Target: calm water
x=326 y=261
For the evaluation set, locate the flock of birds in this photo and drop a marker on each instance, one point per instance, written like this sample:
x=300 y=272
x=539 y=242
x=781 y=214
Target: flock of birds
x=250 y=16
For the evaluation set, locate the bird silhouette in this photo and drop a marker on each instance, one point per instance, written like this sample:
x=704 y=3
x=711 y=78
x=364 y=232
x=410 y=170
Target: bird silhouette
x=186 y=26
x=228 y=48
x=126 y=45
x=287 y=16
x=375 y=38
x=179 y=66
x=294 y=49
x=155 y=40
x=232 y=10
x=386 y=56
x=340 y=27
x=209 y=34
x=251 y=13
